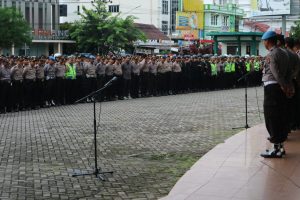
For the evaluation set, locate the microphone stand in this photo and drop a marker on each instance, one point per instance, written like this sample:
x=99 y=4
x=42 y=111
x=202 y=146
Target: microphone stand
x=245 y=78
x=98 y=172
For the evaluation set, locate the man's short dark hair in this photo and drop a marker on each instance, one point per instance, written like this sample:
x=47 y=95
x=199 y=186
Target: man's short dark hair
x=273 y=40
x=280 y=38
x=290 y=42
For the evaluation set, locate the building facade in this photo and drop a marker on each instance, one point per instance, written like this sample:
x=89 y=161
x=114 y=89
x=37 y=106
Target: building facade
x=43 y=17
x=222 y=18
x=275 y=20
x=160 y=13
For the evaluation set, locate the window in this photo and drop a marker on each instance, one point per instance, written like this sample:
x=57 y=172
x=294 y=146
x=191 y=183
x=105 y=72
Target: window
x=165 y=7
x=41 y=16
x=225 y=20
x=222 y=2
x=174 y=9
x=214 y=20
x=63 y=10
x=78 y=10
x=114 y=8
x=27 y=12
x=164 y=27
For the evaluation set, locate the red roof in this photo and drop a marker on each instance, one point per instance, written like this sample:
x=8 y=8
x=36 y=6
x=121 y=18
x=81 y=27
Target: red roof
x=151 y=32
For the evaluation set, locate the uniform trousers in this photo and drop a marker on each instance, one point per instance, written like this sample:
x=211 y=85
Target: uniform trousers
x=166 y=82
x=118 y=87
x=175 y=82
x=71 y=91
x=126 y=87
x=40 y=92
x=5 y=96
x=17 y=94
x=135 y=82
x=100 y=84
x=110 y=93
x=275 y=107
x=77 y=84
x=29 y=91
x=50 y=90
x=144 y=83
x=60 y=90
x=152 y=84
x=297 y=98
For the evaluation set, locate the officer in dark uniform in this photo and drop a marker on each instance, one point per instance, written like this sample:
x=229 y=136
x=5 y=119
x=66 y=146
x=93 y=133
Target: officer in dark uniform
x=17 y=85
x=60 y=71
x=276 y=88
x=5 y=87
x=49 y=70
x=40 y=83
x=29 y=74
x=126 y=69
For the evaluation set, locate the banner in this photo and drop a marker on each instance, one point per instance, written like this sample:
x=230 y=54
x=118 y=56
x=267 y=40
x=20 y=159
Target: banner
x=193 y=6
x=270 y=7
x=188 y=35
x=189 y=21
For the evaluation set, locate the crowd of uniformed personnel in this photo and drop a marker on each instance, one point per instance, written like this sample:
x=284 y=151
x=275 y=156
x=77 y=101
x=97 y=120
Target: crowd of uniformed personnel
x=32 y=83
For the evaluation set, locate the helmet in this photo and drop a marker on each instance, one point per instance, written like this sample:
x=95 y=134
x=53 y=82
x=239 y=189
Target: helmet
x=268 y=35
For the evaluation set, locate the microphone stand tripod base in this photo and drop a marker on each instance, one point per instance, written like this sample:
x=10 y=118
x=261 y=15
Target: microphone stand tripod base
x=245 y=127
x=97 y=173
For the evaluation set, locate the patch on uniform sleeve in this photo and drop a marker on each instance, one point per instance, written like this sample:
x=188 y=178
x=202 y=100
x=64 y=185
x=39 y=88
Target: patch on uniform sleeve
x=268 y=59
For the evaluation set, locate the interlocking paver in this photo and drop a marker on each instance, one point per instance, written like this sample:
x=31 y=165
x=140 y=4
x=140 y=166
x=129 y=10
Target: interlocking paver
x=148 y=143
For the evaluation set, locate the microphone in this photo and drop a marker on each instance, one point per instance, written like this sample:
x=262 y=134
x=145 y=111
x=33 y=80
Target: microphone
x=110 y=81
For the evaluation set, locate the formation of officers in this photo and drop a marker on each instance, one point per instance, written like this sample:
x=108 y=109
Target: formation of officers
x=31 y=83
x=281 y=80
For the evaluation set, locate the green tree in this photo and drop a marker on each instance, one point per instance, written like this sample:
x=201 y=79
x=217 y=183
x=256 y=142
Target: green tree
x=99 y=31
x=14 y=29
x=295 y=30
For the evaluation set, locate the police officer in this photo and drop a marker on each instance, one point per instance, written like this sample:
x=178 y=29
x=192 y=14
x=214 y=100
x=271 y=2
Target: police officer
x=109 y=74
x=60 y=71
x=117 y=87
x=91 y=81
x=17 y=85
x=70 y=80
x=29 y=75
x=145 y=77
x=49 y=70
x=100 y=71
x=126 y=69
x=153 y=77
x=40 y=83
x=5 y=87
x=294 y=64
x=276 y=86
x=135 y=76
x=176 y=72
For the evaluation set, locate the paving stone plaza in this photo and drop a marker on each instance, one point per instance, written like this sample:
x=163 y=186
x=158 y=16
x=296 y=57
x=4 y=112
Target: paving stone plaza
x=149 y=143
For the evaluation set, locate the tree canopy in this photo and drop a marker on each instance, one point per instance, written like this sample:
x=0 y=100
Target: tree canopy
x=295 y=30
x=14 y=29
x=99 y=31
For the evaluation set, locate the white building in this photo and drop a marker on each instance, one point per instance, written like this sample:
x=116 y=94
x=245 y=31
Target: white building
x=43 y=18
x=274 y=22
x=160 y=13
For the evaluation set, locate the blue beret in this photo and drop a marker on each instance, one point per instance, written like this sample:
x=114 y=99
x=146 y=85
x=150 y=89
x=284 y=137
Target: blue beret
x=52 y=58
x=268 y=35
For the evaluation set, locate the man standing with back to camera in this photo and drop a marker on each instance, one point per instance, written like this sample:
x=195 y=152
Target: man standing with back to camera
x=276 y=89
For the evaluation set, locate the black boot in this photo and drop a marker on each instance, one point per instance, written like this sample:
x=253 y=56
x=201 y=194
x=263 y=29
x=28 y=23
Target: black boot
x=273 y=153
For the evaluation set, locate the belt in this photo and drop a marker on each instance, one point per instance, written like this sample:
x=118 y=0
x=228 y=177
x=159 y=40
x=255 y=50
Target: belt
x=91 y=76
x=266 y=83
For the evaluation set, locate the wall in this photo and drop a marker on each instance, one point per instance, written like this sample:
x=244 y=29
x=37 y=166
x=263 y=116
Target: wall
x=146 y=11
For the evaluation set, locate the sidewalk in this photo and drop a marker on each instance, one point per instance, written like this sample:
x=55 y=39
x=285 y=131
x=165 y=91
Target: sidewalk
x=234 y=170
